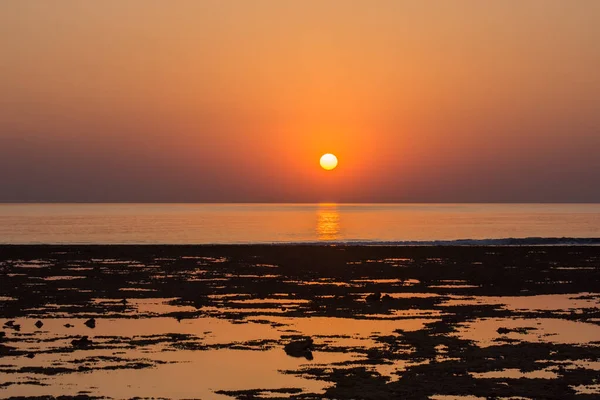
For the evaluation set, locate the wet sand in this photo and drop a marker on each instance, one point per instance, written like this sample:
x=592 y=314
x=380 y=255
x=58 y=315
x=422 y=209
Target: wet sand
x=303 y=322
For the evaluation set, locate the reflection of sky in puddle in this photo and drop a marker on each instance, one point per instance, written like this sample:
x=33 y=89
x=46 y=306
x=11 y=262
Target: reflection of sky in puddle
x=516 y=374
x=330 y=326
x=572 y=364
x=555 y=302
x=197 y=374
x=415 y=313
x=453 y=286
x=243 y=310
x=177 y=373
x=402 y=282
x=409 y=295
x=271 y=301
x=216 y=367
x=587 y=389
x=547 y=330
x=330 y=282
x=246 y=351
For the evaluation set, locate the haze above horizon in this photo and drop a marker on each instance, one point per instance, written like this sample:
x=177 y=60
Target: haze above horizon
x=210 y=101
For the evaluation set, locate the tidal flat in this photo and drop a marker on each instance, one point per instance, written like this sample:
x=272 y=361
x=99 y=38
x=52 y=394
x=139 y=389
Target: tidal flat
x=300 y=322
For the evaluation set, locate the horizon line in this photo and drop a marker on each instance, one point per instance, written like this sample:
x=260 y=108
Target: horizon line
x=290 y=203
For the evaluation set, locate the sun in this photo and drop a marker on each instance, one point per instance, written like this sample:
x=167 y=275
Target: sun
x=328 y=161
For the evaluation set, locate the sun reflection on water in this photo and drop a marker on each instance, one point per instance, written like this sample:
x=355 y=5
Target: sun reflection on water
x=328 y=222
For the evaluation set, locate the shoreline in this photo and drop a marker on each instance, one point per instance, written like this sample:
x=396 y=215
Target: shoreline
x=497 y=242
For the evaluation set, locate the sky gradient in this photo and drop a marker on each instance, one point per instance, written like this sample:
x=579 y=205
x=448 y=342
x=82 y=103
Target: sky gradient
x=235 y=101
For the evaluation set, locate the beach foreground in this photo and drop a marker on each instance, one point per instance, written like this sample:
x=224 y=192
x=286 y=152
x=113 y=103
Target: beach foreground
x=303 y=322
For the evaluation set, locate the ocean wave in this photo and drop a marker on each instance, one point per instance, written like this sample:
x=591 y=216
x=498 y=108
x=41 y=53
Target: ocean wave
x=530 y=241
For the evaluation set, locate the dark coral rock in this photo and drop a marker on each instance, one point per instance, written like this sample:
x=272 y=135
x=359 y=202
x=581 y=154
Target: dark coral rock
x=300 y=348
x=83 y=342
x=374 y=297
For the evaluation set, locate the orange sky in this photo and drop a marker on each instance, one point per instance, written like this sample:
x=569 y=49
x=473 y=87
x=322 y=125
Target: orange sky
x=136 y=100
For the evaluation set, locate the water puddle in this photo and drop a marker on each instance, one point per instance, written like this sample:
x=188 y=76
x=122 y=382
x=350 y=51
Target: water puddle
x=486 y=332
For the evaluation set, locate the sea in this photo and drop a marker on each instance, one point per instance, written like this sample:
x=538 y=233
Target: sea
x=324 y=223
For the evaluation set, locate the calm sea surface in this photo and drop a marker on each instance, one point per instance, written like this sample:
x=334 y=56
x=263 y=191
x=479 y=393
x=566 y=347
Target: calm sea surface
x=281 y=223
